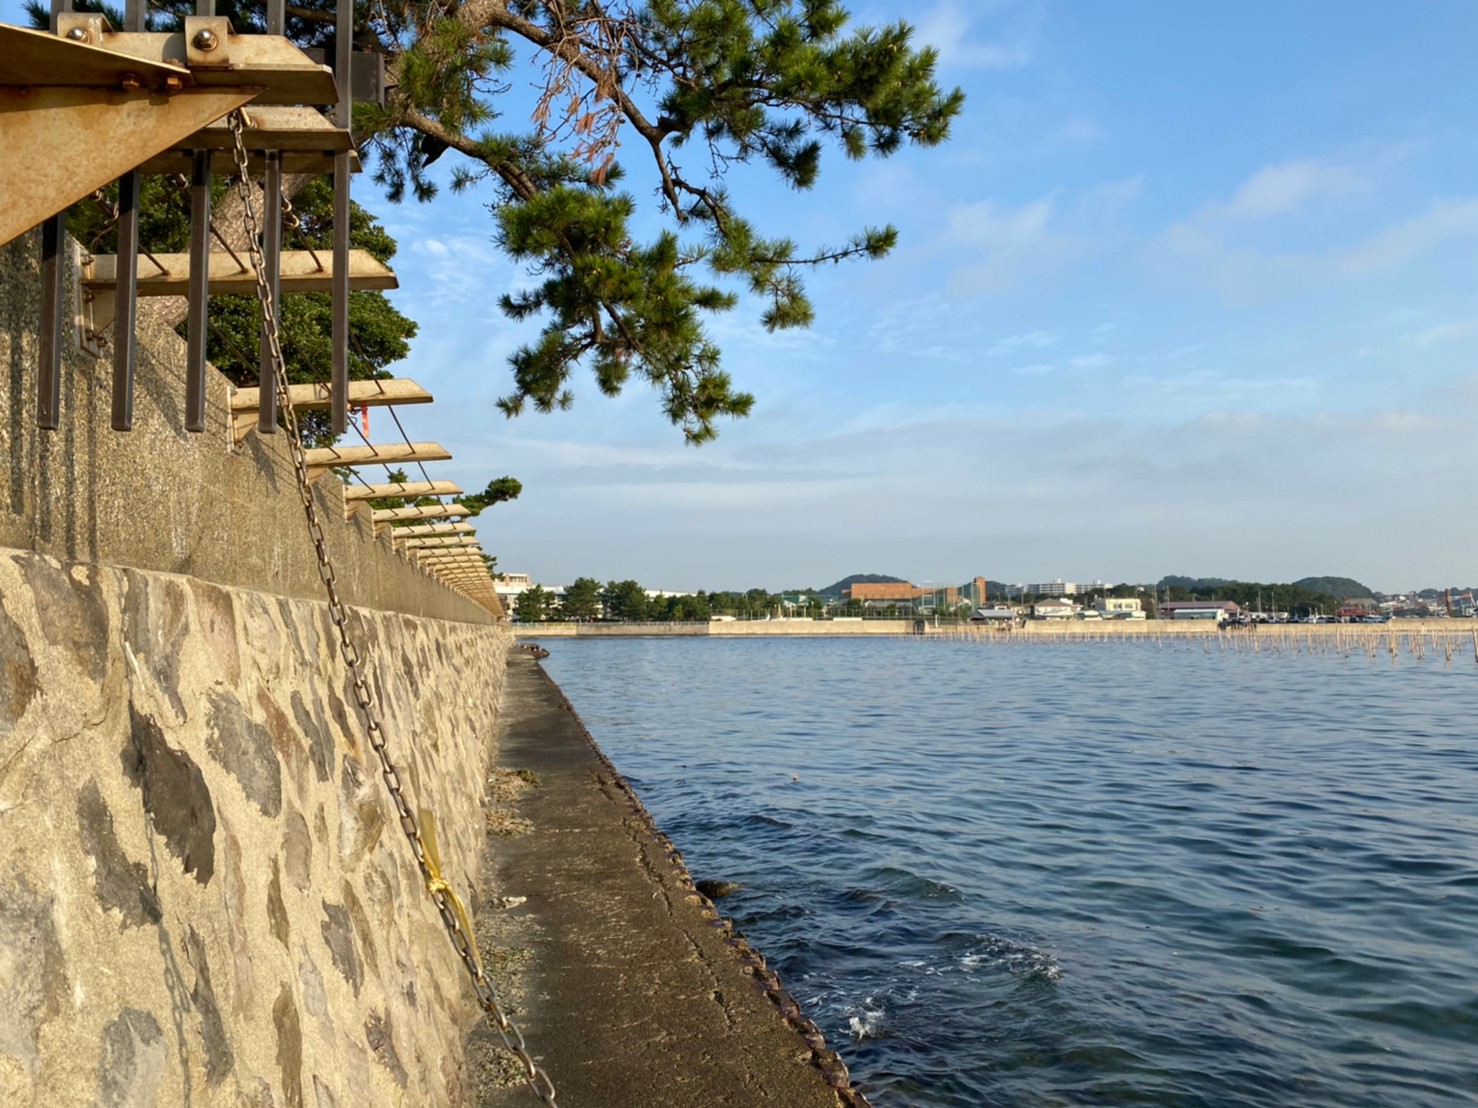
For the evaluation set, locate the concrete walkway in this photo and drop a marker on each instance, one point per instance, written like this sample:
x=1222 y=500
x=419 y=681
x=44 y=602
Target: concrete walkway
x=631 y=995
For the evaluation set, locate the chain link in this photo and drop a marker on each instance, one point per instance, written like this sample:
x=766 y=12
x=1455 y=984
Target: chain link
x=462 y=940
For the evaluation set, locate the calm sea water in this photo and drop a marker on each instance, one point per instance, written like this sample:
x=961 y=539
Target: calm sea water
x=1079 y=874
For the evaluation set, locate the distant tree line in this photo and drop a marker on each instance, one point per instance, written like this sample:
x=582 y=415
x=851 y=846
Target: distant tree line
x=627 y=601
x=586 y=599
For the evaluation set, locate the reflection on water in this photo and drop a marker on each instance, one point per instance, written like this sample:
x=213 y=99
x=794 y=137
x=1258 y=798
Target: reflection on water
x=1079 y=874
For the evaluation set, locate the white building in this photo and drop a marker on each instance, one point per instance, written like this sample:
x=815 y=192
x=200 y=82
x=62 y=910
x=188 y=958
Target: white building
x=509 y=586
x=1054 y=588
x=1054 y=609
x=1119 y=607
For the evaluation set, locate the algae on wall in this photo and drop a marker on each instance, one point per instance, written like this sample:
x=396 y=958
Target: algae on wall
x=205 y=897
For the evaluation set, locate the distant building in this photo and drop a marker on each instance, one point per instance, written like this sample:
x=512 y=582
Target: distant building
x=1119 y=607
x=971 y=595
x=1053 y=588
x=1054 y=608
x=1219 y=610
x=509 y=586
x=889 y=594
x=993 y=615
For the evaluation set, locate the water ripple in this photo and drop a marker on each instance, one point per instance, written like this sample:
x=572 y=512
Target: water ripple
x=1079 y=876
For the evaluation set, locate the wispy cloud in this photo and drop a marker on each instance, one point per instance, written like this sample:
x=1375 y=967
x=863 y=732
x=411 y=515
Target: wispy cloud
x=1282 y=189
x=1012 y=245
x=1031 y=340
x=964 y=44
x=1447 y=332
x=1216 y=243
x=1409 y=239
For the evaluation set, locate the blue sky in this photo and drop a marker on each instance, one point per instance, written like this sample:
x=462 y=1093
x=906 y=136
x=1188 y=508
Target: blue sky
x=1193 y=289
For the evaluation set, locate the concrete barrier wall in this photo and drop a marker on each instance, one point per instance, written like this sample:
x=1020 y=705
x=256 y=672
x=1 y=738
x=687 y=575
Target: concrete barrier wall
x=158 y=498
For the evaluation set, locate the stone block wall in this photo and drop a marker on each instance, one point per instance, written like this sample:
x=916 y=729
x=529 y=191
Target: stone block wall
x=205 y=897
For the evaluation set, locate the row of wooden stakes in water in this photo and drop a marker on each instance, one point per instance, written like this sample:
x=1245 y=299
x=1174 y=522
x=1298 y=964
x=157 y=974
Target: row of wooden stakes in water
x=1345 y=639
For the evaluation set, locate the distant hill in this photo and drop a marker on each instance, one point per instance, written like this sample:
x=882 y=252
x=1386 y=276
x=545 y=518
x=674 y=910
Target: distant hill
x=1338 y=587
x=860 y=579
x=1342 y=587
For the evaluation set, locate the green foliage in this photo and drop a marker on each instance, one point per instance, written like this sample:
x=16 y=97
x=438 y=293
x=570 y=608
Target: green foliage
x=499 y=490
x=379 y=334
x=625 y=600
x=533 y=605
x=583 y=599
x=754 y=602
x=704 y=85
x=1295 y=599
x=680 y=609
x=1335 y=586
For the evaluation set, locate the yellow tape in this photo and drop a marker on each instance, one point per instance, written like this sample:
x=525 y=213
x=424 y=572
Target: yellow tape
x=436 y=883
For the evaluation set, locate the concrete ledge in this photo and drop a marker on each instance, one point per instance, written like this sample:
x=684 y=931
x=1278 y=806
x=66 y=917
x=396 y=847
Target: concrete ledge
x=635 y=993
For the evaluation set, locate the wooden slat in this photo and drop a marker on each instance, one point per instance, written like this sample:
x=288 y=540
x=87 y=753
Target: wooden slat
x=400 y=533
x=171 y=161
x=301 y=272
x=428 y=511
x=322 y=459
x=406 y=490
x=362 y=394
x=439 y=542
x=284 y=129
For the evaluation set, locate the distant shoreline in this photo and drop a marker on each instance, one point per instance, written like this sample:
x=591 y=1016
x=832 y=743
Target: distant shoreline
x=1045 y=630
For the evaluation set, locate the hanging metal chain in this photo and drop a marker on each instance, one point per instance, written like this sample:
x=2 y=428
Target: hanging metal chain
x=452 y=916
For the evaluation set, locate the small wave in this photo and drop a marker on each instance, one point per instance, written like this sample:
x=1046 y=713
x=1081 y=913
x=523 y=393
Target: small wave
x=865 y=1020
x=1024 y=961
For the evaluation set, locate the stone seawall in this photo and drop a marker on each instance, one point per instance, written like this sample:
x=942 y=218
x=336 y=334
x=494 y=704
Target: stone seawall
x=205 y=897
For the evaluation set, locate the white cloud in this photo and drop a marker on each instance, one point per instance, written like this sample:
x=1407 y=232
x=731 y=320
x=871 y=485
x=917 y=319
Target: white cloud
x=1077 y=131
x=1210 y=247
x=987 y=225
x=1031 y=340
x=948 y=29
x=1411 y=238
x=1010 y=244
x=1092 y=361
x=1282 y=189
x=1447 y=332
